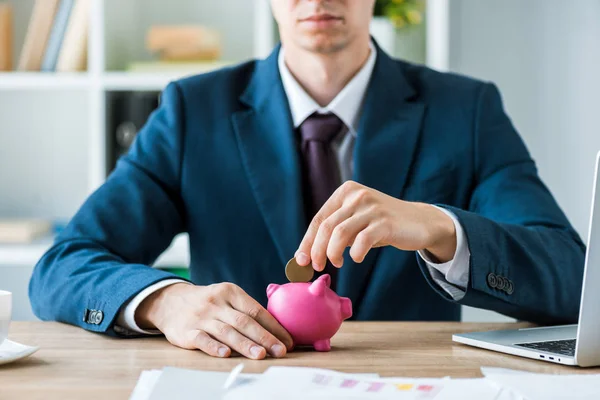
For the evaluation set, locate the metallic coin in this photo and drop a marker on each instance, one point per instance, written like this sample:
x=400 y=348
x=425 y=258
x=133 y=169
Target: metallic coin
x=296 y=273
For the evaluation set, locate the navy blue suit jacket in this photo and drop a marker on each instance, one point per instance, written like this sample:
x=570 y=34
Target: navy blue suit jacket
x=219 y=159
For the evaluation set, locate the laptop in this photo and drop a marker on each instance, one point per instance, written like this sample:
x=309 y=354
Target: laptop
x=577 y=344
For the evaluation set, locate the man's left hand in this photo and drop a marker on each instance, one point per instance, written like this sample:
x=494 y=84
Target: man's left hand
x=364 y=218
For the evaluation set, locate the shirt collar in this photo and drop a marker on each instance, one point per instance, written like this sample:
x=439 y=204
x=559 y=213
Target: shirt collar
x=346 y=105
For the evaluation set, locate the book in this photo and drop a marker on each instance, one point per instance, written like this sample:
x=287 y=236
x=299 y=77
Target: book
x=37 y=35
x=23 y=231
x=73 y=53
x=6 y=36
x=57 y=35
x=186 y=41
x=188 y=54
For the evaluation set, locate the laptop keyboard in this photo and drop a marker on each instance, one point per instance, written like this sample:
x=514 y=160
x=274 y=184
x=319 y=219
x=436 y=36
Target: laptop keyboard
x=562 y=347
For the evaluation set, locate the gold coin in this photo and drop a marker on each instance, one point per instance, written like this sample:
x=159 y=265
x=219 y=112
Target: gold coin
x=297 y=273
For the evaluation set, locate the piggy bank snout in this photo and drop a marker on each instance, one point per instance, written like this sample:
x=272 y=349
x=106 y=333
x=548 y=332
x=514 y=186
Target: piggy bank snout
x=346 y=308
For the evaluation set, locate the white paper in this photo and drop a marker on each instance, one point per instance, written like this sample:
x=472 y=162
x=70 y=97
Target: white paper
x=145 y=384
x=291 y=383
x=308 y=383
x=186 y=383
x=533 y=386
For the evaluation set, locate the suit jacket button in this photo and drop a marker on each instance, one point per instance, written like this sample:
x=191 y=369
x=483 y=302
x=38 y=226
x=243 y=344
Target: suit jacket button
x=91 y=317
x=502 y=283
x=510 y=288
x=492 y=280
x=99 y=317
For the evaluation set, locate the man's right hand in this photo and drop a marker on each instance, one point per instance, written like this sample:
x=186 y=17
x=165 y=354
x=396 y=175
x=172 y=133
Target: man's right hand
x=215 y=319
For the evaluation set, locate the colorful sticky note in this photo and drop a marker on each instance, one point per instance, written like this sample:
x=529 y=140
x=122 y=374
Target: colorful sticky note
x=375 y=386
x=349 y=383
x=425 y=388
x=404 y=386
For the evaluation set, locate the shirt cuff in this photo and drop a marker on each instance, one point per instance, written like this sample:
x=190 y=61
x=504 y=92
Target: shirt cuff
x=452 y=276
x=126 y=324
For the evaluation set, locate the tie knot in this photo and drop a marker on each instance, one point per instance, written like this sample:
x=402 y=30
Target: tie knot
x=321 y=128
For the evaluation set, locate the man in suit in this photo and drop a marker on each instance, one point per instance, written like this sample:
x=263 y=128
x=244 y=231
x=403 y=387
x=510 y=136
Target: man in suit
x=412 y=183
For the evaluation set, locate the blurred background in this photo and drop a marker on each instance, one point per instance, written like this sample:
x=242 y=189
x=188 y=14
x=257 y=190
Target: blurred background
x=78 y=78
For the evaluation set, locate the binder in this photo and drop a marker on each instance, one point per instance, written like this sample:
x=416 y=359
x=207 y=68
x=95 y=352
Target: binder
x=57 y=35
x=73 y=53
x=126 y=112
x=6 y=36
x=38 y=32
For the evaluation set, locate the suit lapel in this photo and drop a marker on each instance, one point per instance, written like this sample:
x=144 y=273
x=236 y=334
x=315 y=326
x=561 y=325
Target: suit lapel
x=387 y=139
x=268 y=149
x=386 y=142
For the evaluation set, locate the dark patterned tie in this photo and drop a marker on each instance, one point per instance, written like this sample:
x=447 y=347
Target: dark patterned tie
x=320 y=166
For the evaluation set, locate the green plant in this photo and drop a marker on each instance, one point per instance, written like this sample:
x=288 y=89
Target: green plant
x=402 y=13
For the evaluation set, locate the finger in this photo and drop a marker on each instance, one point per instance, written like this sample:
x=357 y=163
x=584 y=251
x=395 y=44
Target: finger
x=243 y=303
x=364 y=241
x=211 y=346
x=318 y=251
x=343 y=236
x=229 y=336
x=331 y=206
x=248 y=327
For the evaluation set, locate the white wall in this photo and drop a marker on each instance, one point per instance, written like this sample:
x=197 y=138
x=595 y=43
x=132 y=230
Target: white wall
x=15 y=279
x=545 y=57
x=127 y=23
x=43 y=153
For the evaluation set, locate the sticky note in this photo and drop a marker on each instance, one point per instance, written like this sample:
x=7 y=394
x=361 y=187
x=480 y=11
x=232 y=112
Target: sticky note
x=404 y=386
x=349 y=383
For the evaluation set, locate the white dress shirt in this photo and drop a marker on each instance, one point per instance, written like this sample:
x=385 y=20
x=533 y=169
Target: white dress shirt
x=452 y=276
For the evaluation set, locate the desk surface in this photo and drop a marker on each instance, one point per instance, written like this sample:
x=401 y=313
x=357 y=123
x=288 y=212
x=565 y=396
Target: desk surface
x=76 y=364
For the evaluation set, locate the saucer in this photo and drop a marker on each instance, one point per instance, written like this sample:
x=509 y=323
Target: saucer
x=12 y=351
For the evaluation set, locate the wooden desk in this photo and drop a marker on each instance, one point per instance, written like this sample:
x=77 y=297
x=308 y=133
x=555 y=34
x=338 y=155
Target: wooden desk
x=76 y=364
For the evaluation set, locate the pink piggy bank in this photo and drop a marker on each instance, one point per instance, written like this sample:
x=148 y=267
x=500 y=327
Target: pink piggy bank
x=311 y=312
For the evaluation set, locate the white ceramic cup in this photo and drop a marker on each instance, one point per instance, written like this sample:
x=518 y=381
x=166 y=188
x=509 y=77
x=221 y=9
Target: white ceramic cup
x=5 y=314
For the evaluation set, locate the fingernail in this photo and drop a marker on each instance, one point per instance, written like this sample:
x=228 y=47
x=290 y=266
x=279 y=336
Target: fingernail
x=316 y=267
x=222 y=352
x=255 y=351
x=277 y=350
x=302 y=258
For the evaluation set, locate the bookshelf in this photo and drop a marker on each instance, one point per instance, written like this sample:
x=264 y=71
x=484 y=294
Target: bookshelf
x=57 y=120
x=40 y=81
x=28 y=255
x=114 y=81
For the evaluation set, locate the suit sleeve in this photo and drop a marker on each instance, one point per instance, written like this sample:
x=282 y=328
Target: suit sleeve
x=526 y=259
x=101 y=260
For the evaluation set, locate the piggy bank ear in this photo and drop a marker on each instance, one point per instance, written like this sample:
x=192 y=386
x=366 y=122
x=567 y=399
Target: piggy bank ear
x=317 y=288
x=272 y=288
